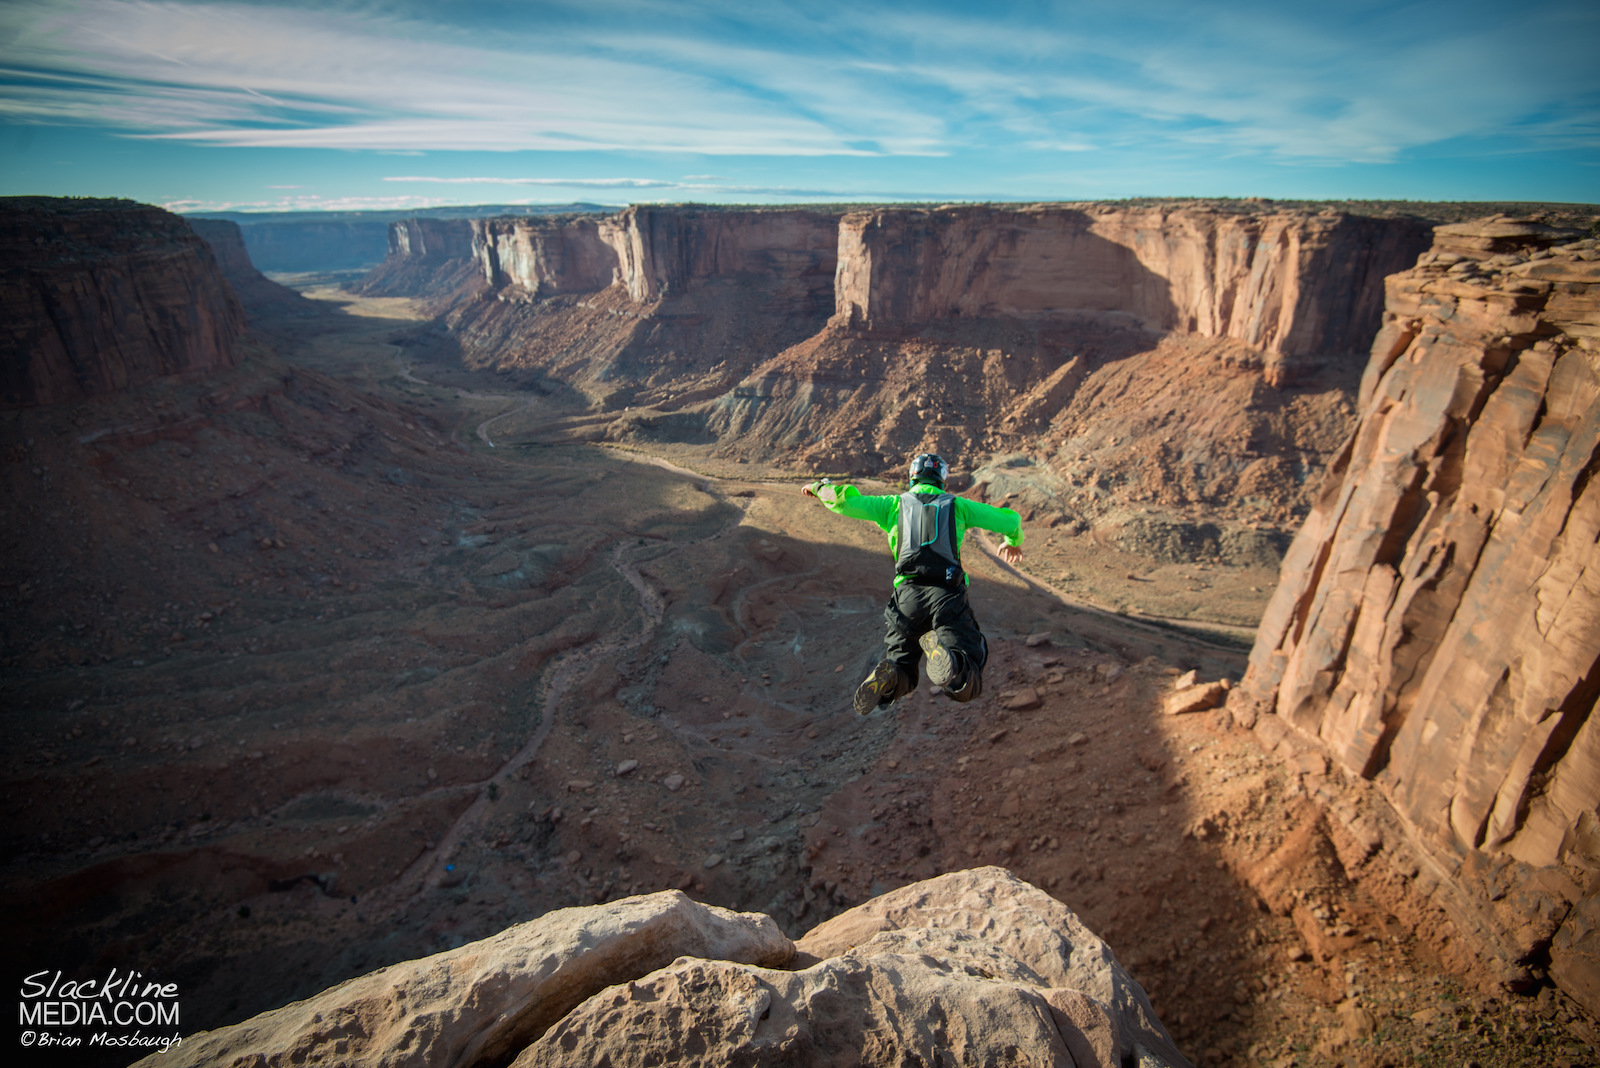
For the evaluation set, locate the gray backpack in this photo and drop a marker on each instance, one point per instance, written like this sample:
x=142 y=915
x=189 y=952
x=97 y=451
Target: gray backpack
x=928 y=553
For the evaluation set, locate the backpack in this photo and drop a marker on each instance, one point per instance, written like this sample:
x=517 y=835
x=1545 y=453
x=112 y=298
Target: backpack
x=928 y=554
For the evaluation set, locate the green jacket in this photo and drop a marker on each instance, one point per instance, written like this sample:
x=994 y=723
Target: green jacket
x=844 y=499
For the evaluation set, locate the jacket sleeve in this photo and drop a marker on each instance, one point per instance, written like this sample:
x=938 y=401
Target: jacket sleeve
x=988 y=517
x=851 y=503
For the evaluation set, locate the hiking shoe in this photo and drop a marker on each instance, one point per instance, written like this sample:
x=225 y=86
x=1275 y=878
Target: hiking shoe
x=941 y=664
x=880 y=688
x=968 y=689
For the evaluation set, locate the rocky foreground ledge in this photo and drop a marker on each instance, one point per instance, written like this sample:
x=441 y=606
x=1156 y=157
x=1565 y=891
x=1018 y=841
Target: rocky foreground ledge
x=974 y=967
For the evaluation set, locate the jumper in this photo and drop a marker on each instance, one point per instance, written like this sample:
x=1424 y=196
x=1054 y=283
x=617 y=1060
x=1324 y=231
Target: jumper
x=844 y=499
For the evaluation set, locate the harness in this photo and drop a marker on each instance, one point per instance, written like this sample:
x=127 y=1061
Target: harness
x=928 y=554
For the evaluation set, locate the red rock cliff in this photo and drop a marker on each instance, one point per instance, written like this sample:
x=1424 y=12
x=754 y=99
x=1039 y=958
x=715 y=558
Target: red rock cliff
x=256 y=292
x=544 y=256
x=432 y=259
x=104 y=294
x=1298 y=286
x=431 y=240
x=1438 y=627
x=661 y=250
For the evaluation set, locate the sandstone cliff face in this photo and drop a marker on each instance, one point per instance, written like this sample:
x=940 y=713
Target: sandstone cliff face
x=431 y=240
x=313 y=245
x=848 y=342
x=1179 y=354
x=650 y=252
x=256 y=292
x=662 y=250
x=430 y=259
x=544 y=257
x=103 y=294
x=681 y=301
x=1298 y=286
x=974 y=967
x=1438 y=628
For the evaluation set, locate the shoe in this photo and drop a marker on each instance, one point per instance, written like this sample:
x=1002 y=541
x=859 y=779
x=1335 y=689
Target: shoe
x=941 y=664
x=880 y=688
x=968 y=689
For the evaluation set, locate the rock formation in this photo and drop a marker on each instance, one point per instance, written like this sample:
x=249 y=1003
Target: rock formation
x=431 y=259
x=257 y=293
x=1438 y=627
x=653 y=304
x=320 y=240
x=974 y=967
x=544 y=258
x=313 y=243
x=846 y=341
x=663 y=250
x=104 y=294
x=1300 y=287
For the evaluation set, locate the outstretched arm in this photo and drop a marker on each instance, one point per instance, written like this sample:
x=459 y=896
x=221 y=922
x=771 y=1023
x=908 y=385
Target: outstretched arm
x=841 y=498
x=1002 y=521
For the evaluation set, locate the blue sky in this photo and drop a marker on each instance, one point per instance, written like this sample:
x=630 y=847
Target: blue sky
x=397 y=103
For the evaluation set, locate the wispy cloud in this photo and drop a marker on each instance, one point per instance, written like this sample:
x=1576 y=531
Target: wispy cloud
x=667 y=189
x=1349 y=81
x=309 y=202
x=576 y=183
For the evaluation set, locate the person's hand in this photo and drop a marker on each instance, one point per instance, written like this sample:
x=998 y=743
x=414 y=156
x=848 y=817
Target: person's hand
x=1011 y=554
x=811 y=489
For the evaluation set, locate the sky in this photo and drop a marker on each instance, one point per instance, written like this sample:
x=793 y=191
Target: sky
x=279 y=105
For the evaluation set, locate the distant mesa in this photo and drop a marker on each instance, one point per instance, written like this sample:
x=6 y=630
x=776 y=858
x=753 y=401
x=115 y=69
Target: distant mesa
x=293 y=242
x=845 y=339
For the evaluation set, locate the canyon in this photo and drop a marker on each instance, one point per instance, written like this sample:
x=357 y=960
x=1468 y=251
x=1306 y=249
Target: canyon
x=483 y=591
x=325 y=240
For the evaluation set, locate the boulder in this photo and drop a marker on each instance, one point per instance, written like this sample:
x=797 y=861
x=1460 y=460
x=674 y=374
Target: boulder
x=1041 y=934
x=1198 y=698
x=975 y=967
x=482 y=1003
x=1023 y=700
x=904 y=997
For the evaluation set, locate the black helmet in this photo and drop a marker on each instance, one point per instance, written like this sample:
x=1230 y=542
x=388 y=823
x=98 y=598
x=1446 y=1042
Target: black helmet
x=929 y=467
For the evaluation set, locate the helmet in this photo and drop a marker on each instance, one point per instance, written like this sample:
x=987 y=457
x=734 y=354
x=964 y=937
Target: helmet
x=929 y=467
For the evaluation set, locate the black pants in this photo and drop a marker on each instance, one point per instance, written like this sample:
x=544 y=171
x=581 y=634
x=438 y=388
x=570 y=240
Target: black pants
x=914 y=610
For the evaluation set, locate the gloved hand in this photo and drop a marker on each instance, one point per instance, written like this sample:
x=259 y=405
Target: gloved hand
x=811 y=490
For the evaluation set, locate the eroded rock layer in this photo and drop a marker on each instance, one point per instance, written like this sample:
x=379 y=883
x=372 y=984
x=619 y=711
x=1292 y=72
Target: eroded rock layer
x=431 y=259
x=104 y=294
x=257 y=293
x=1438 y=628
x=665 y=305
x=1296 y=285
x=974 y=967
x=846 y=341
